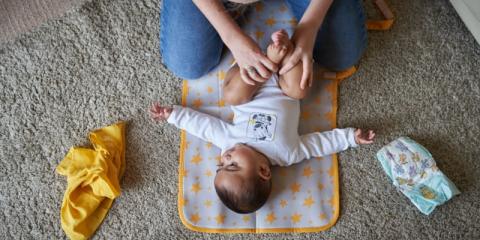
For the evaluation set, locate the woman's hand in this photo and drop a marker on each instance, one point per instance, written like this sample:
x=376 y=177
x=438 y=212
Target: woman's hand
x=304 y=41
x=254 y=65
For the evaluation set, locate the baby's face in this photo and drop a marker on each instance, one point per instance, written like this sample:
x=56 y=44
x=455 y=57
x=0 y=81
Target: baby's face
x=238 y=164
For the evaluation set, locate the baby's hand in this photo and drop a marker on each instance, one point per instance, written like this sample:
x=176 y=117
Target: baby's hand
x=159 y=113
x=364 y=137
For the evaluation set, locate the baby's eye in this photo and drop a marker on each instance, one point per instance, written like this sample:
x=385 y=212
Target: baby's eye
x=232 y=165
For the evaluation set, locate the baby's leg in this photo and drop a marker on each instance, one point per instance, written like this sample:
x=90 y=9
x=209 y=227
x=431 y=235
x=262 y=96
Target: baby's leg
x=279 y=51
x=235 y=90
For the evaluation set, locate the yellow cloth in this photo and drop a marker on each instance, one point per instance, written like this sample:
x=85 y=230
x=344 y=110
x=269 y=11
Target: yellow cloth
x=93 y=180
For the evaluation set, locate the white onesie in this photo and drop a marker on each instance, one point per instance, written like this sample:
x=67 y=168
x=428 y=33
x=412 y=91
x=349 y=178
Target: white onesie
x=268 y=123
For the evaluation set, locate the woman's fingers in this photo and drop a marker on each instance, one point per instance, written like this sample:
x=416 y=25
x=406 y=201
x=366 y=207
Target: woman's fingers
x=307 y=70
x=264 y=73
x=252 y=72
x=292 y=61
x=272 y=67
x=245 y=77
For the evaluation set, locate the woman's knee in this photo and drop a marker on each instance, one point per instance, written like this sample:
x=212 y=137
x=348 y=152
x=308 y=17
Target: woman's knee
x=342 y=38
x=188 y=70
x=189 y=52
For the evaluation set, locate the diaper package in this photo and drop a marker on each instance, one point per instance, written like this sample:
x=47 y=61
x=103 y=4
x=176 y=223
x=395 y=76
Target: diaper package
x=413 y=170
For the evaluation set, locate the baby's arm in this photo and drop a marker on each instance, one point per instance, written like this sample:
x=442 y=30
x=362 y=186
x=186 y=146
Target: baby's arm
x=320 y=144
x=201 y=125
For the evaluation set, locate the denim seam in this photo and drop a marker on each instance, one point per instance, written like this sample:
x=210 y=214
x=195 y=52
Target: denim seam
x=362 y=16
x=162 y=25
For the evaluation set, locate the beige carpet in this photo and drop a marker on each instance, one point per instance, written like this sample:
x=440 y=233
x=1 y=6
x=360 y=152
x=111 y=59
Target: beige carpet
x=20 y=16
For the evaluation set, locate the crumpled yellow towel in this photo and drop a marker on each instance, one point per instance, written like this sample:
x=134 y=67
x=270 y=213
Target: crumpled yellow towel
x=93 y=180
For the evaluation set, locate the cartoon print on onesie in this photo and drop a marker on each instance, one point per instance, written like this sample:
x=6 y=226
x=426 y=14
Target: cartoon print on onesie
x=261 y=126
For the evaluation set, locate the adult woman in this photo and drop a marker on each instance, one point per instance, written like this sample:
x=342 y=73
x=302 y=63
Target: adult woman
x=193 y=34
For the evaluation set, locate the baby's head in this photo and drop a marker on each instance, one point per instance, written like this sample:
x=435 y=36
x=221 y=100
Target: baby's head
x=243 y=180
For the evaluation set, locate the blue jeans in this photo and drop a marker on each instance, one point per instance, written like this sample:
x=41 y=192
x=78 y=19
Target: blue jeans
x=191 y=47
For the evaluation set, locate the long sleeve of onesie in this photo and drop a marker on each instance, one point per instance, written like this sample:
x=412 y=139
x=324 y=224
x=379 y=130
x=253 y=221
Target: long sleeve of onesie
x=201 y=125
x=320 y=144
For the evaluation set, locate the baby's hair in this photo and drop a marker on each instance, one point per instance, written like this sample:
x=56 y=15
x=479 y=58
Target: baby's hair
x=252 y=196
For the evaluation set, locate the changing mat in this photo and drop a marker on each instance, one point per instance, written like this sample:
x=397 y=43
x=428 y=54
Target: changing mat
x=304 y=198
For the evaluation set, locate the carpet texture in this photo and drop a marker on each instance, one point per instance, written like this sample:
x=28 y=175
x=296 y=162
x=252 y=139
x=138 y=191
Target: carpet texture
x=100 y=63
x=20 y=16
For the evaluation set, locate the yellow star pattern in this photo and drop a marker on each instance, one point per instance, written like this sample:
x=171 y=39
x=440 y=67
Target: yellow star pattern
x=221 y=75
x=296 y=218
x=207 y=203
x=283 y=203
x=293 y=21
x=208 y=173
x=221 y=103
x=323 y=216
x=259 y=35
x=246 y=218
x=208 y=145
x=197 y=103
x=196 y=159
x=270 y=21
x=295 y=187
x=308 y=201
x=209 y=89
x=184 y=173
x=271 y=217
x=182 y=202
x=195 y=218
x=320 y=186
x=220 y=218
x=196 y=187
x=307 y=172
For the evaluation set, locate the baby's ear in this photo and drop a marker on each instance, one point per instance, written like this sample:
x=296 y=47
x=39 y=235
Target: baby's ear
x=264 y=172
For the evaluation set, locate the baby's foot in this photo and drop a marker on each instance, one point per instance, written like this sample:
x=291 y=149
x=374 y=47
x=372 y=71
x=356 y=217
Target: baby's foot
x=160 y=113
x=279 y=46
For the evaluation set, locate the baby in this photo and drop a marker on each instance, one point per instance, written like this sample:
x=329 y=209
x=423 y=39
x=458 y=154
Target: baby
x=264 y=131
